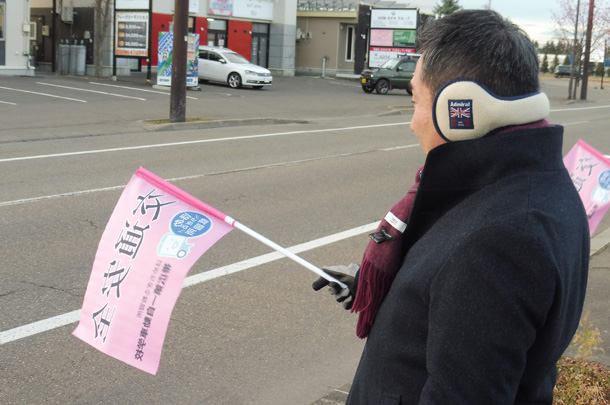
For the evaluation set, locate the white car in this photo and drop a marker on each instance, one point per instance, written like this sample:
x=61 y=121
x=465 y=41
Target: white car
x=223 y=65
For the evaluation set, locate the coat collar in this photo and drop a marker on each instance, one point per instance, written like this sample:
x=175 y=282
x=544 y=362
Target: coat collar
x=476 y=163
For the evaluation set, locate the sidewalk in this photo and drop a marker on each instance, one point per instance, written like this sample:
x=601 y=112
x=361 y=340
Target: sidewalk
x=596 y=302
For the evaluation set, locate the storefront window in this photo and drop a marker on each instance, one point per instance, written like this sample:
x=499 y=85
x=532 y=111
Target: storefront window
x=2 y=5
x=217 y=32
x=350 y=43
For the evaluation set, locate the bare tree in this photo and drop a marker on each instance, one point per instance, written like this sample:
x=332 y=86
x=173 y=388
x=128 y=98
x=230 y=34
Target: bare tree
x=103 y=14
x=574 y=32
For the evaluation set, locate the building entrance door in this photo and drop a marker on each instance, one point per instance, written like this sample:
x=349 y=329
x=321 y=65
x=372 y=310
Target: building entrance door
x=260 y=44
x=259 y=50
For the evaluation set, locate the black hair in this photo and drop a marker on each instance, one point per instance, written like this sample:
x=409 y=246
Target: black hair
x=478 y=45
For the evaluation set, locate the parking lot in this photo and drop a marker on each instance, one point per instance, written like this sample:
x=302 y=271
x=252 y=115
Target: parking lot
x=52 y=105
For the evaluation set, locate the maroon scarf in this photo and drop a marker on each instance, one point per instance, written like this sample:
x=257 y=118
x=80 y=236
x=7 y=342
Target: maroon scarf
x=381 y=261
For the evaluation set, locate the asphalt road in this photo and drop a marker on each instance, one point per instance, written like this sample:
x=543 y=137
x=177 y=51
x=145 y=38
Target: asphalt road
x=339 y=160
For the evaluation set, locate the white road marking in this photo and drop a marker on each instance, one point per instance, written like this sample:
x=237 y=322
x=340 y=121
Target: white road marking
x=574 y=123
x=163 y=145
x=581 y=108
x=137 y=89
x=197 y=176
x=43 y=94
x=91 y=91
x=6 y=102
x=58 y=321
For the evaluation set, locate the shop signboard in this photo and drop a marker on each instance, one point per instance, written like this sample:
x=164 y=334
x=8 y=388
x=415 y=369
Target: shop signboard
x=221 y=8
x=164 y=66
x=257 y=9
x=131 y=36
x=393 y=38
x=404 y=38
x=378 y=56
x=192 y=61
x=405 y=18
x=382 y=38
x=132 y=4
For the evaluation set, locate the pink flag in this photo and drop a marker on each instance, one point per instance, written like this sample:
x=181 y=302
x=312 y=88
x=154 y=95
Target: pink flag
x=590 y=173
x=154 y=236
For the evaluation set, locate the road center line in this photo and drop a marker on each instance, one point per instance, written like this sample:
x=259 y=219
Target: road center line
x=581 y=108
x=197 y=176
x=58 y=321
x=164 y=145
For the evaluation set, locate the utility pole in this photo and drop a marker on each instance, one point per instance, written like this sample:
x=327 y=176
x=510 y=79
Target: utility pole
x=573 y=70
x=177 y=103
x=585 y=78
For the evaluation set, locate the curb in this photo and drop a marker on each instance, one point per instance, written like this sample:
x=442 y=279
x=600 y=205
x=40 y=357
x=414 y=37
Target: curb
x=177 y=126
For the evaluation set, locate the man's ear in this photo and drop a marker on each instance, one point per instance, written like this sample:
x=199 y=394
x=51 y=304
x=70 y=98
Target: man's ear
x=464 y=109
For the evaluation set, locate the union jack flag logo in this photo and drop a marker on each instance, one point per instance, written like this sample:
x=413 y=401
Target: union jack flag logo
x=460 y=112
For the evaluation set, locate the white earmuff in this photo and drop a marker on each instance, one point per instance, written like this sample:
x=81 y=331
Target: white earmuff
x=464 y=109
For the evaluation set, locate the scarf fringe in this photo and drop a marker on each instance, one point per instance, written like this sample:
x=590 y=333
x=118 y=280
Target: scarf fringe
x=372 y=289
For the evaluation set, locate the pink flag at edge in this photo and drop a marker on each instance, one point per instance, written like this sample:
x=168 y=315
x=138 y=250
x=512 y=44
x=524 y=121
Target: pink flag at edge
x=154 y=236
x=590 y=173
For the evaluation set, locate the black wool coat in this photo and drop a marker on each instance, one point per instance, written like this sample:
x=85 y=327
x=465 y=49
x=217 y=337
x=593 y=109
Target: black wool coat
x=491 y=290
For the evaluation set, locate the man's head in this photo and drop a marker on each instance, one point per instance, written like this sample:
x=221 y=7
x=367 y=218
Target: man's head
x=477 y=45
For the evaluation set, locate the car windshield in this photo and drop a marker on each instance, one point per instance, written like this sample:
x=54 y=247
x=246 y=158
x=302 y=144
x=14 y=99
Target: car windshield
x=390 y=64
x=235 y=57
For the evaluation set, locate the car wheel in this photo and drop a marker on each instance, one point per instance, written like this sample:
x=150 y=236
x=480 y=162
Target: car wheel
x=234 y=80
x=382 y=87
x=367 y=88
x=409 y=91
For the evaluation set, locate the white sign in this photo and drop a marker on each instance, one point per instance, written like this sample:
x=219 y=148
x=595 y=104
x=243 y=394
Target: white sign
x=256 y=9
x=132 y=4
x=404 y=18
x=378 y=56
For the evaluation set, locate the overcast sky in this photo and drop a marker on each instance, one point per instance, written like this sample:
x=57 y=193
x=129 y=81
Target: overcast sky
x=533 y=16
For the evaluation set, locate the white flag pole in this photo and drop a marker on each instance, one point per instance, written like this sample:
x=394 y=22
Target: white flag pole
x=283 y=251
x=154 y=179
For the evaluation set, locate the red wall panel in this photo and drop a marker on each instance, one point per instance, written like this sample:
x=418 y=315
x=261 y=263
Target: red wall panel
x=201 y=28
x=240 y=38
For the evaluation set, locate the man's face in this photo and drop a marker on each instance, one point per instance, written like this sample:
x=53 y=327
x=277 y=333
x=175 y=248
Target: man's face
x=421 y=123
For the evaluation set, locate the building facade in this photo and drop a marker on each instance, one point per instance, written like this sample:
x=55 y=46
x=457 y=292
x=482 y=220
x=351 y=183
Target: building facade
x=15 y=34
x=326 y=42
x=263 y=31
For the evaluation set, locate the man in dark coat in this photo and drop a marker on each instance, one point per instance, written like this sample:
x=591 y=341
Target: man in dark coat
x=491 y=285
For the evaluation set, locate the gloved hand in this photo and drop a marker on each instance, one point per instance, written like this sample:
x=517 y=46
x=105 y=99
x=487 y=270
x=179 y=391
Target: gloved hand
x=348 y=275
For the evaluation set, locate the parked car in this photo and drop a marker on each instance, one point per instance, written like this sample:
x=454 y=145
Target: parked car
x=217 y=64
x=563 y=70
x=395 y=73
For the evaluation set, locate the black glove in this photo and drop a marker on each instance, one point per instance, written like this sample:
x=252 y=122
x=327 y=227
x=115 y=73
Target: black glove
x=348 y=275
